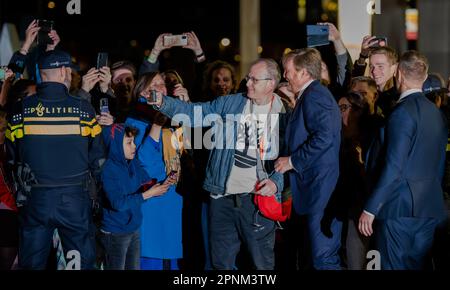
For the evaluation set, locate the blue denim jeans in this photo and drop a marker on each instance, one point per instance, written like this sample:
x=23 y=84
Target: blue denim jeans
x=122 y=250
x=234 y=220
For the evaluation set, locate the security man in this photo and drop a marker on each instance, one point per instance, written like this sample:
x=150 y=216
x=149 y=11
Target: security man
x=56 y=137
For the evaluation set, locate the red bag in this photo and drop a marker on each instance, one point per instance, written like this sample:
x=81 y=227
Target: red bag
x=272 y=209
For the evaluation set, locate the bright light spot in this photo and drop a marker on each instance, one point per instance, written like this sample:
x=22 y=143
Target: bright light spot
x=225 y=42
x=287 y=50
x=332 y=6
x=260 y=49
x=301 y=11
x=51 y=5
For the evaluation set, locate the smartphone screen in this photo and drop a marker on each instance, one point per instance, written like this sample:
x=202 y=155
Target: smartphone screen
x=102 y=60
x=153 y=96
x=175 y=40
x=172 y=174
x=42 y=37
x=104 y=108
x=317 y=35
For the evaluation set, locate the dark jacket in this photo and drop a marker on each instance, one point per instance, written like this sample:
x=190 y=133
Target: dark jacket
x=57 y=135
x=313 y=135
x=413 y=165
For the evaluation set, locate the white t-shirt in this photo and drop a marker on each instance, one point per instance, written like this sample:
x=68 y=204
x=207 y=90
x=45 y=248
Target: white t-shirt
x=243 y=176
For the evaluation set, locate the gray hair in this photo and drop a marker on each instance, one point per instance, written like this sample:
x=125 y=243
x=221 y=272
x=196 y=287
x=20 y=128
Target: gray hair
x=272 y=69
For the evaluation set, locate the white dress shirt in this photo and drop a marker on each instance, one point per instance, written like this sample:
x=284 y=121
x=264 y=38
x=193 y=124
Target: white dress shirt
x=407 y=93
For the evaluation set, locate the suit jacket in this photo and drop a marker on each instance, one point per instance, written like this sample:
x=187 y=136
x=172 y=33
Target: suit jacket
x=413 y=162
x=313 y=137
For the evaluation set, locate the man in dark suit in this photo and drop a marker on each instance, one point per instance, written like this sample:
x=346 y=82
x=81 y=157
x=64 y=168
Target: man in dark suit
x=407 y=200
x=313 y=138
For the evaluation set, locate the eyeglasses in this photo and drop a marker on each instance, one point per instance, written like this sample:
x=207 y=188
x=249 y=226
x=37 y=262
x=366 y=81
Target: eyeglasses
x=344 y=107
x=255 y=80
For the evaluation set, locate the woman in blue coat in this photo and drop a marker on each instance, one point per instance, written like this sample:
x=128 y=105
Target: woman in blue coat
x=161 y=230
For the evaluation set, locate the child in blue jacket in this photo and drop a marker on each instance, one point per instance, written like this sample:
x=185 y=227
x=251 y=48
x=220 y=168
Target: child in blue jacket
x=122 y=179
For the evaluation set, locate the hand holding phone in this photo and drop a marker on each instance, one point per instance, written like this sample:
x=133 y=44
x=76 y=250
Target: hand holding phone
x=105 y=119
x=171 y=178
x=153 y=97
x=173 y=174
x=380 y=41
x=317 y=35
x=45 y=26
x=102 y=60
x=153 y=189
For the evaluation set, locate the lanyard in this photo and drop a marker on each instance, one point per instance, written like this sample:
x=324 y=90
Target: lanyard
x=268 y=124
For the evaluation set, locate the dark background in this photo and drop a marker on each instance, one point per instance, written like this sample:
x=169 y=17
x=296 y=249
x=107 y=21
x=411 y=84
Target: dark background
x=111 y=26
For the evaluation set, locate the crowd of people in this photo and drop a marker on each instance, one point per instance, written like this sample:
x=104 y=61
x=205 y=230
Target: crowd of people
x=124 y=168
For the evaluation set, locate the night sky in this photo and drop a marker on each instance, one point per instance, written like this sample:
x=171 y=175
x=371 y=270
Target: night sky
x=110 y=26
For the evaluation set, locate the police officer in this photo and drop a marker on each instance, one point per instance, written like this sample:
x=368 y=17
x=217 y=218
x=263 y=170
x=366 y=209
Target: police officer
x=56 y=136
